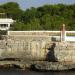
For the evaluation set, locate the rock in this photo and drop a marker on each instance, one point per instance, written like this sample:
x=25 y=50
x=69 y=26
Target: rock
x=54 y=66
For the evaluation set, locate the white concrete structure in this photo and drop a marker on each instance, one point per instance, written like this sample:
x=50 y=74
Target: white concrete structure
x=5 y=23
x=55 y=34
x=63 y=33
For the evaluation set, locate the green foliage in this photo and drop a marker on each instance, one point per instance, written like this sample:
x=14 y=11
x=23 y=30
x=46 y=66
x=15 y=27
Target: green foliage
x=18 y=26
x=11 y=9
x=35 y=24
x=46 y=22
x=48 y=17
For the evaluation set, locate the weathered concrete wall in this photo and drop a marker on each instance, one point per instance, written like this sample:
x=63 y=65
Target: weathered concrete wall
x=36 y=47
x=65 y=51
x=27 y=47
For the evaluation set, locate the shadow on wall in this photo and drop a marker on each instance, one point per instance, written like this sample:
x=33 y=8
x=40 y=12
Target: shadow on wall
x=50 y=55
x=53 y=39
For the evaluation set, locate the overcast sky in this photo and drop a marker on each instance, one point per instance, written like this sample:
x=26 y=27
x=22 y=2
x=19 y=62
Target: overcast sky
x=24 y=4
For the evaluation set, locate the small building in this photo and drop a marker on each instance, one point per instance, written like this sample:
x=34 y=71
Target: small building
x=5 y=22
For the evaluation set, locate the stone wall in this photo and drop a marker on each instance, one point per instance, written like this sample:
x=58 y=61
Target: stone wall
x=65 y=51
x=36 y=47
x=26 y=47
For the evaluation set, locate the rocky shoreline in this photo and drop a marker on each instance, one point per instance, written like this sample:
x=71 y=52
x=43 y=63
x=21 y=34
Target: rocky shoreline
x=42 y=66
x=54 y=66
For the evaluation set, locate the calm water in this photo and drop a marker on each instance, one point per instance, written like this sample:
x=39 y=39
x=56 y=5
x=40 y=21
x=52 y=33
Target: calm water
x=19 y=72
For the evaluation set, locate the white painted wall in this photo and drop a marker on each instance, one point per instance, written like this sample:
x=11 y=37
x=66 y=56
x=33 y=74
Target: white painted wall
x=70 y=38
x=6 y=20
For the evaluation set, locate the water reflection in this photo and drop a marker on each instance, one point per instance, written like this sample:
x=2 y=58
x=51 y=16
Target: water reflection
x=60 y=73
x=20 y=72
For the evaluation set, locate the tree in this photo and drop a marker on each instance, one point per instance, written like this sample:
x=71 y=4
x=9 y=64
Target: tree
x=12 y=9
x=47 y=17
x=17 y=26
x=46 y=22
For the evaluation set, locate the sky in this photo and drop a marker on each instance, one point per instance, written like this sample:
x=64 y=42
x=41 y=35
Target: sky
x=25 y=4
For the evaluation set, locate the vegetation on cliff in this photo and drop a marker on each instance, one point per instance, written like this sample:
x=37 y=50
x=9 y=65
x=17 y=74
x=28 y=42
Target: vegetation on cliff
x=47 y=17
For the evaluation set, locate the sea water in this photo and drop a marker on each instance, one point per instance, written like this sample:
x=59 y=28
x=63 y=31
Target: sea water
x=21 y=72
